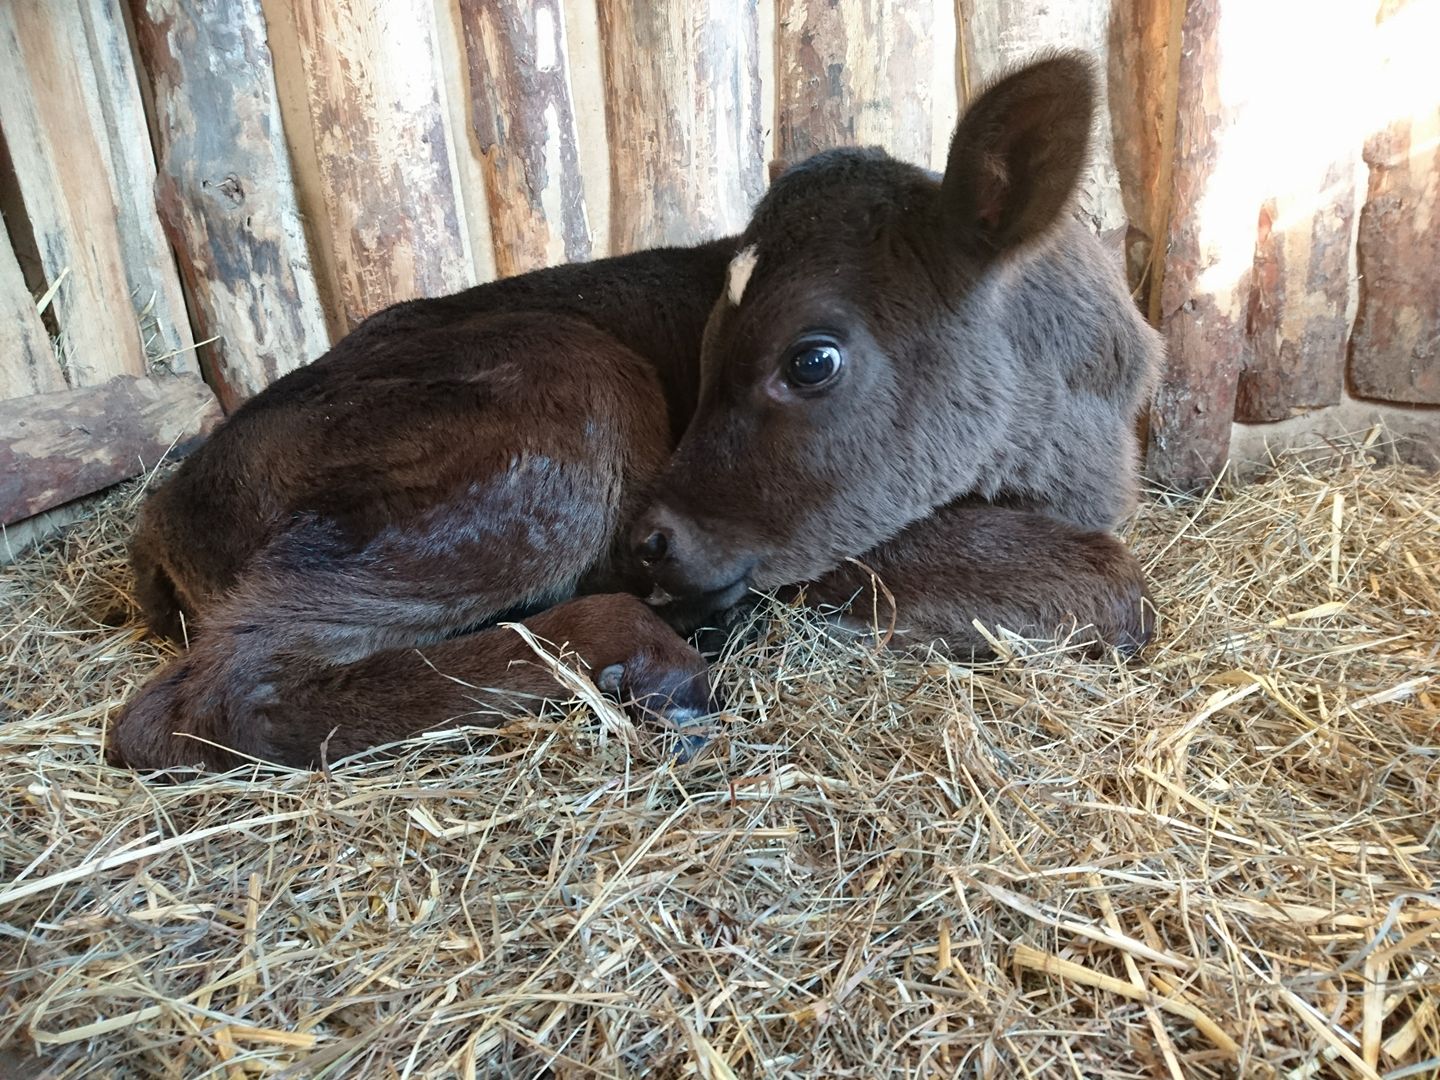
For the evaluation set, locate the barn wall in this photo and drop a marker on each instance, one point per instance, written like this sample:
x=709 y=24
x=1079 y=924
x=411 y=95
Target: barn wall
x=98 y=373
x=223 y=189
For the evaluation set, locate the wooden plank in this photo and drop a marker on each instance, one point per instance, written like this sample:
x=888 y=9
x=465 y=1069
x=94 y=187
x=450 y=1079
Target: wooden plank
x=585 y=63
x=225 y=192
x=682 y=96
x=374 y=88
x=469 y=161
x=149 y=263
x=1210 y=239
x=1307 y=153
x=995 y=35
x=522 y=112
x=855 y=74
x=57 y=447
x=1395 y=352
x=27 y=364
x=1298 y=321
x=59 y=150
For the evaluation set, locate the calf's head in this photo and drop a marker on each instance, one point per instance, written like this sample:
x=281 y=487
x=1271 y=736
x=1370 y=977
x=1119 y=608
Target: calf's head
x=853 y=374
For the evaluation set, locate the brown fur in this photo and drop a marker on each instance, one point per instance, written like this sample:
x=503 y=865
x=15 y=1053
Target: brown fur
x=1086 y=587
x=297 y=704
x=342 y=547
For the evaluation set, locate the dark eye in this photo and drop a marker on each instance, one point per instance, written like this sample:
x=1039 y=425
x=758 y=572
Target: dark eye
x=812 y=364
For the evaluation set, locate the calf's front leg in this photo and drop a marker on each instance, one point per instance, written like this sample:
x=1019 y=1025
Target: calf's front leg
x=1007 y=568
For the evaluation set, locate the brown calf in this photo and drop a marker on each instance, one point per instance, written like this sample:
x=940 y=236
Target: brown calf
x=937 y=376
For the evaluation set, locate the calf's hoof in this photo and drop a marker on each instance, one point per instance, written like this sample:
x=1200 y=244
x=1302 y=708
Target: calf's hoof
x=659 y=677
x=667 y=690
x=153 y=731
x=1132 y=624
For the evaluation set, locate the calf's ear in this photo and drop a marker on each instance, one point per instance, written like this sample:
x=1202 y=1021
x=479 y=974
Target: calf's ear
x=1018 y=153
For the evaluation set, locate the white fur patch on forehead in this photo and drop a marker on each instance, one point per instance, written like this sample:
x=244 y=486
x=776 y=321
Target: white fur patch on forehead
x=741 y=267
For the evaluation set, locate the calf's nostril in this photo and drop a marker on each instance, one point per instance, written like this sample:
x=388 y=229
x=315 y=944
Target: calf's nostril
x=653 y=548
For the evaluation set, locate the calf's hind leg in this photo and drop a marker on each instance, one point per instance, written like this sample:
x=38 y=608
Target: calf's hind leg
x=1011 y=569
x=345 y=708
x=316 y=636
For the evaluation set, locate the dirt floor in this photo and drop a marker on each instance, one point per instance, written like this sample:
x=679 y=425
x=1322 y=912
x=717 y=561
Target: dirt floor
x=1220 y=860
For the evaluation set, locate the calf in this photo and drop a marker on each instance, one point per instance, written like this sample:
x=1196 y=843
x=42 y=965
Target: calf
x=937 y=376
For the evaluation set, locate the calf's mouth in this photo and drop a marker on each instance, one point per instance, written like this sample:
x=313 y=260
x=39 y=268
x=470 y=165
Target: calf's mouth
x=689 y=612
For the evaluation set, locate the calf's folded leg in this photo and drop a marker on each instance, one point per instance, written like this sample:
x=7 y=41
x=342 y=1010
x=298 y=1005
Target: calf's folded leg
x=306 y=702
x=1012 y=569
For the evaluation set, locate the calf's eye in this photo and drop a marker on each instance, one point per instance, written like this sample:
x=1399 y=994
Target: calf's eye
x=812 y=364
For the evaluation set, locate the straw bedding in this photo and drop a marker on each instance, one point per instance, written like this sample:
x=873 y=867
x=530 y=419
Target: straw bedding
x=1222 y=860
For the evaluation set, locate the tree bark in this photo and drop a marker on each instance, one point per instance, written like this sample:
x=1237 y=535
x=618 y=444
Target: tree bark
x=59 y=149
x=1300 y=302
x=1211 y=243
x=855 y=75
x=149 y=263
x=57 y=447
x=1395 y=350
x=27 y=363
x=995 y=35
x=383 y=146
x=1142 y=79
x=1298 y=321
x=226 y=194
x=522 y=112
x=682 y=100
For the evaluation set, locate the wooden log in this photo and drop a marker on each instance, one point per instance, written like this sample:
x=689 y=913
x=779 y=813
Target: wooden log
x=1302 y=291
x=1395 y=350
x=149 y=263
x=1142 y=78
x=855 y=75
x=225 y=191
x=27 y=363
x=58 y=149
x=522 y=113
x=584 y=61
x=995 y=35
x=1298 y=321
x=383 y=147
x=469 y=160
x=1210 y=238
x=682 y=100
x=293 y=98
x=57 y=447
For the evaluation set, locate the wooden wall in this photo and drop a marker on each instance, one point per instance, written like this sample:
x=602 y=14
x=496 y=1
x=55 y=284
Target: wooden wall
x=217 y=189
x=97 y=358
x=1299 y=227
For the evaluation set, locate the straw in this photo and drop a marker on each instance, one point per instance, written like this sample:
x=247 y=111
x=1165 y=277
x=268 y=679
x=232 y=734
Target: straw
x=1220 y=860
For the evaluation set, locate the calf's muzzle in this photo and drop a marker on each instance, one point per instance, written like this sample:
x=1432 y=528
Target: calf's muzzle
x=677 y=559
